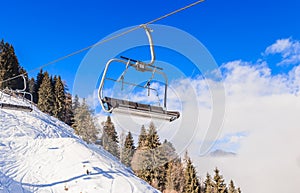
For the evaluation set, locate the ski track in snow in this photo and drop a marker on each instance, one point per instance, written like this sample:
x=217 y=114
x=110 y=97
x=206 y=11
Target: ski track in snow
x=40 y=154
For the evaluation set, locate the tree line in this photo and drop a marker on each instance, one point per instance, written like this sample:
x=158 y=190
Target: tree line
x=150 y=159
x=50 y=93
x=159 y=164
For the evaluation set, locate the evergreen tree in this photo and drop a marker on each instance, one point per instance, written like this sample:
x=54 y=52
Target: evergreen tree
x=157 y=159
x=76 y=103
x=142 y=138
x=192 y=184
x=53 y=80
x=168 y=151
x=208 y=184
x=9 y=67
x=69 y=113
x=219 y=184
x=175 y=176
x=149 y=161
x=109 y=139
x=164 y=155
x=60 y=99
x=239 y=190
x=39 y=80
x=231 y=187
x=84 y=121
x=31 y=88
x=128 y=150
x=46 y=96
x=141 y=159
x=152 y=137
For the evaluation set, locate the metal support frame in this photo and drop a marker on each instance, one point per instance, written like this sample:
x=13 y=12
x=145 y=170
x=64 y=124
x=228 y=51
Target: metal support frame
x=146 y=69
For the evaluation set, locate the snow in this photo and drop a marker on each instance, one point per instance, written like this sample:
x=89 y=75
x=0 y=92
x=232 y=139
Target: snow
x=38 y=153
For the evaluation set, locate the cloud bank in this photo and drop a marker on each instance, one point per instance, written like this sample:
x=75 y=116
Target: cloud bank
x=260 y=124
x=265 y=109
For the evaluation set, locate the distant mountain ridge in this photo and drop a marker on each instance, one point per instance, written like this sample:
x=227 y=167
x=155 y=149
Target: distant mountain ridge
x=221 y=153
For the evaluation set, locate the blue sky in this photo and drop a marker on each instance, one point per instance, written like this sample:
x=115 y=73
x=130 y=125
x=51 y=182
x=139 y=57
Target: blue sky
x=42 y=31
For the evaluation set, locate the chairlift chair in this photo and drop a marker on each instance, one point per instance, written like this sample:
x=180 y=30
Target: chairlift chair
x=26 y=108
x=111 y=105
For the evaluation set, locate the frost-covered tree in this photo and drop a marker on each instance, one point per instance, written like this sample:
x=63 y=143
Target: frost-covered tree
x=152 y=137
x=192 y=184
x=219 y=184
x=149 y=161
x=84 y=121
x=175 y=176
x=142 y=143
x=231 y=187
x=208 y=184
x=128 y=150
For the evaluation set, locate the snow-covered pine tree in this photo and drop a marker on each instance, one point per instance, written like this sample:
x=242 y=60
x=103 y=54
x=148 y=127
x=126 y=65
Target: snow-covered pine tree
x=219 y=184
x=231 y=187
x=84 y=121
x=149 y=160
x=142 y=143
x=208 y=184
x=192 y=184
x=46 y=95
x=164 y=154
x=60 y=99
x=128 y=150
x=109 y=139
x=175 y=176
x=152 y=137
x=75 y=105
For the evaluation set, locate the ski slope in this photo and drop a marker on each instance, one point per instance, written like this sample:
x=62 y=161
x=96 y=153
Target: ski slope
x=38 y=153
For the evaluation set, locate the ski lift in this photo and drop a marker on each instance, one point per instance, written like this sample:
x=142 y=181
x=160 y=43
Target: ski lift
x=111 y=105
x=17 y=93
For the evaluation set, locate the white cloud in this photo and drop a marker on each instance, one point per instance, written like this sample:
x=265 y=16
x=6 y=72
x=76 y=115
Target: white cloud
x=267 y=108
x=281 y=46
x=289 y=50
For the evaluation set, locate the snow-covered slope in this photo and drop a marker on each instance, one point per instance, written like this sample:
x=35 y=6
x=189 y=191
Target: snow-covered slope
x=38 y=153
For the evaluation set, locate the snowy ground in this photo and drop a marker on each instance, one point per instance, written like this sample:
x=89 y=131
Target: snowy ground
x=38 y=153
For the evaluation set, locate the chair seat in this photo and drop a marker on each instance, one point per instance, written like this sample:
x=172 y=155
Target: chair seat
x=15 y=107
x=139 y=109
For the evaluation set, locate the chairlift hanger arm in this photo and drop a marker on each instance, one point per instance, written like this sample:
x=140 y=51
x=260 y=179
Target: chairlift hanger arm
x=148 y=32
